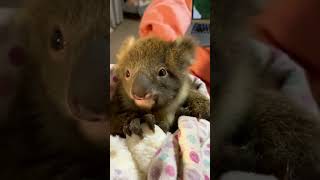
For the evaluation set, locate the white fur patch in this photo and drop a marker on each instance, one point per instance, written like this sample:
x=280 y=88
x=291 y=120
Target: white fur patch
x=182 y=95
x=145 y=149
x=179 y=40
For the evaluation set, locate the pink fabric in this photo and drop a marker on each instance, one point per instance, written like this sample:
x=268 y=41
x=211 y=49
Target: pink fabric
x=184 y=154
x=169 y=19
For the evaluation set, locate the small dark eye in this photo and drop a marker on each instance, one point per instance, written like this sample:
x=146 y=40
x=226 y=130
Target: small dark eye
x=162 y=72
x=57 y=40
x=127 y=74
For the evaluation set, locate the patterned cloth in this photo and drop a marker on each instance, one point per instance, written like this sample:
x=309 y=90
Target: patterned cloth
x=185 y=154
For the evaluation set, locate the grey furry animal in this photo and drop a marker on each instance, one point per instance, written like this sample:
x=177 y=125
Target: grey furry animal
x=154 y=85
x=257 y=128
x=56 y=128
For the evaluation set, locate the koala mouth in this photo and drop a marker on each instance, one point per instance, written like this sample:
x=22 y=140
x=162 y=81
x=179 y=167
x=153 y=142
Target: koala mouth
x=87 y=102
x=88 y=89
x=88 y=83
x=81 y=112
x=146 y=102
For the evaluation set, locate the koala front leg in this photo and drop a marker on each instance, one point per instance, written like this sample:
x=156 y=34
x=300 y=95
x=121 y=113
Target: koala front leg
x=131 y=122
x=196 y=105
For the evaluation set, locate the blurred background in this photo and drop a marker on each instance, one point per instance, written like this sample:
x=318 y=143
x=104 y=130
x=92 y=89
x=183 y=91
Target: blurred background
x=9 y=3
x=125 y=17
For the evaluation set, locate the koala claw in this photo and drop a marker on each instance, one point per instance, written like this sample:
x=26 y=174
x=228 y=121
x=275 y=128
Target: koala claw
x=133 y=127
x=150 y=120
x=184 y=111
x=204 y=115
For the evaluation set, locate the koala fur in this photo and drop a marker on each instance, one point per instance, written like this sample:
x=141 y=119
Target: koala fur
x=154 y=85
x=48 y=135
x=257 y=127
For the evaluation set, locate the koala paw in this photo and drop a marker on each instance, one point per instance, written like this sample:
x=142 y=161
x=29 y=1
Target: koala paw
x=133 y=126
x=184 y=111
x=205 y=114
x=201 y=112
x=150 y=120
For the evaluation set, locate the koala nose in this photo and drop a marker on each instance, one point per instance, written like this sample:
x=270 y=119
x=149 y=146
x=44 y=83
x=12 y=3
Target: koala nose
x=141 y=87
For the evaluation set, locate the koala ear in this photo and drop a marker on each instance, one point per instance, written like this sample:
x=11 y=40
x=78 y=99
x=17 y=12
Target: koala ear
x=183 y=52
x=125 y=47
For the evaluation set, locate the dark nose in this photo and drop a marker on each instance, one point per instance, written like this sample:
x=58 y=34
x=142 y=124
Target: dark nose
x=141 y=87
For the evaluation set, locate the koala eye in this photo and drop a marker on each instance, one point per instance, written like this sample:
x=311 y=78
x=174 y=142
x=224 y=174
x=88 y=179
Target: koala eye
x=127 y=74
x=57 y=40
x=162 y=72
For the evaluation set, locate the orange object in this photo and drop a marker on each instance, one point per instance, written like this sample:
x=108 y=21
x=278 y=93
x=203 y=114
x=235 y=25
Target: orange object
x=169 y=19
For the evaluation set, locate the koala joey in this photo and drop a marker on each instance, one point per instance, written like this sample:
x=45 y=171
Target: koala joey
x=154 y=85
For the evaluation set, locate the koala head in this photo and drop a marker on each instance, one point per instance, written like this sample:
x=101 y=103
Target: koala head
x=152 y=71
x=66 y=49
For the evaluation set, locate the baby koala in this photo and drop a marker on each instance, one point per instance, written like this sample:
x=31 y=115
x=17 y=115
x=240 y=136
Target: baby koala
x=154 y=86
